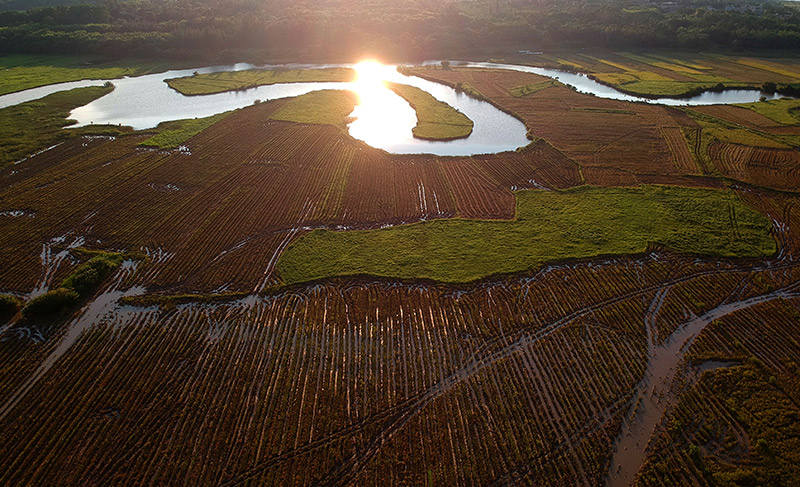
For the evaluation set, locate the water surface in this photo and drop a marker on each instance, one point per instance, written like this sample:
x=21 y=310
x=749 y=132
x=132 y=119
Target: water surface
x=382 y=119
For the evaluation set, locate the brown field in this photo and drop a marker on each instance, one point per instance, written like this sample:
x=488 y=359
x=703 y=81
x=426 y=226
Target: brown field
x=775 y=168
x=363 y=382
x=651 y=369
x=607 y=138
x=677 y=66
x=240 y=197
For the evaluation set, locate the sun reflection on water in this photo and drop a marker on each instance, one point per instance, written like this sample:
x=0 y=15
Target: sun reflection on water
x=380 y=114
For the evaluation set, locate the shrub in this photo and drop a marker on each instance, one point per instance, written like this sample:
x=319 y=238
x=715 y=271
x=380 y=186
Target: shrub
x=9 y=305
x=90 y=275
x=51 y=302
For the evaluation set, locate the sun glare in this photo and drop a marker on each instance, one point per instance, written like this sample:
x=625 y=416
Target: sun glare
x=369 y=78
x=375 y=101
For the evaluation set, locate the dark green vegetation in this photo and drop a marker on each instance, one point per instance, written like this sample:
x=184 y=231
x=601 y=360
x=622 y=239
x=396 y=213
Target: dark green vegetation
x=32 y=126
x=204 y=84
x=9 y=305
x=172 y=134
x=80 y=284
x=329 y=107
x=21 y=72
x=745 y=398
x=549 y=226
x=51 y=303
x=418 y=29
x=436 y=120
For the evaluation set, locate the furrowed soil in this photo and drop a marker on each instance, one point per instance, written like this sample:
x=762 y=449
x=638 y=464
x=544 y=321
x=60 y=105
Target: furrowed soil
x=245 y=187
x=526 y=379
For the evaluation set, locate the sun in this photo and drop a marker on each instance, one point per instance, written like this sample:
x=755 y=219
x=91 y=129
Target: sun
x=369 y=82
x=369 y=72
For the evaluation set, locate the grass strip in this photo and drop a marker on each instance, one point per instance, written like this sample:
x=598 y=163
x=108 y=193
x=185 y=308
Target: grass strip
x=209 y=83
x=173 y=134
x=22 y=72
x=436 y=120
x=549 y=226
x=330 y=107
x=35 y=125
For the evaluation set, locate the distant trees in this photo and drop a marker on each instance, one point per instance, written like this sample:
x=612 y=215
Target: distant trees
x=415 y=29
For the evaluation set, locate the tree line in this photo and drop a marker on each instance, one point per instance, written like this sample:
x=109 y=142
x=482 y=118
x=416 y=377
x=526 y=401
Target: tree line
x=418 y=29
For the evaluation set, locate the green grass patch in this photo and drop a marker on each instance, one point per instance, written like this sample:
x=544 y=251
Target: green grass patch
x=675 y=89
x=549 y=226
x=436 y=120
x=22 y=72
x=172 y=134
x=330 y=107
x=35 y=125
x=468 y=89
x=526 y=90
x=205 y=84
x=783 y=110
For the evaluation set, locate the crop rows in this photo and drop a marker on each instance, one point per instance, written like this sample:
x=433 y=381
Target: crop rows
x=742 y=116
x=607 y=138
x=682 y=157
x=774 y=168
x=517 y=379
x=248 y=186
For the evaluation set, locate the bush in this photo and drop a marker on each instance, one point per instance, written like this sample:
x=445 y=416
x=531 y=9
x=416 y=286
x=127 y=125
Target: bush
x=90 y=275
x=51 y=302
x=9 y=305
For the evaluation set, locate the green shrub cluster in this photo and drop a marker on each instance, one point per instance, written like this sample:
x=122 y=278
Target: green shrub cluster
x=80 y=284
x=9 y=305
x=51 y=302
x=90 y=275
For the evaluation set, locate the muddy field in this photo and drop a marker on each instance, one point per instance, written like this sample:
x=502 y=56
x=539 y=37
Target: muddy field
x=612 y=371
x=538 y=378
x=245 y=188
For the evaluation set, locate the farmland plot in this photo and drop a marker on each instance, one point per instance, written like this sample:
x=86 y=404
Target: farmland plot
x=245 y=186
x=536 y=377
x=521 y=379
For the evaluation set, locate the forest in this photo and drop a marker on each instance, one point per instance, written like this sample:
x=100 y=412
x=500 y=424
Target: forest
x=312 y=30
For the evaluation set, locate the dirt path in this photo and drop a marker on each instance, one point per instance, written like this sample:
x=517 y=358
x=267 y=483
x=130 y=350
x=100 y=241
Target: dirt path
x=653 y=395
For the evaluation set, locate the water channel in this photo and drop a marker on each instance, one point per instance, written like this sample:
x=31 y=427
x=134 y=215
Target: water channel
x=382 y=119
